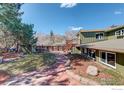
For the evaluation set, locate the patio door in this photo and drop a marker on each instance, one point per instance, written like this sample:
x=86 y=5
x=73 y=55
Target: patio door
x=108 y=58
x=111 y=59
x=102 y=56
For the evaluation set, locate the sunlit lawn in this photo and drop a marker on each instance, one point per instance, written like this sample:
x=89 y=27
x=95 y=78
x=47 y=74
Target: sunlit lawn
x=116 y=79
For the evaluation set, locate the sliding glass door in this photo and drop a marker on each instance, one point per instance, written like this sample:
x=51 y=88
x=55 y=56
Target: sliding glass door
x=103 y=57
x=111 y=59
x=108 y=58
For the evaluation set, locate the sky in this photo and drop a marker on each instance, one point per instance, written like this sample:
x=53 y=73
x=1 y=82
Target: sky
x=63 y=17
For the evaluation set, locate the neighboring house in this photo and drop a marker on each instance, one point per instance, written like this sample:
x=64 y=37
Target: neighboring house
x=62 y=47
x=104 y=45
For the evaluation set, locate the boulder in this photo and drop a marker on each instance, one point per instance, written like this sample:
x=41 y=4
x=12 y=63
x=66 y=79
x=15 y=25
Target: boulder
x=92 y=70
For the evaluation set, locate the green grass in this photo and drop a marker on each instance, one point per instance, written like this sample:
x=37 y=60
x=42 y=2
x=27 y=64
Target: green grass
x=116 y=79
x=29 y=63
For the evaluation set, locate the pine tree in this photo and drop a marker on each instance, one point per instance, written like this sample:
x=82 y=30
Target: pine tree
x=52 y=38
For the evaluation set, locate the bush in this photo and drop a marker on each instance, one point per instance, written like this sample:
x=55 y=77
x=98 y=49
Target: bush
x=49 y=58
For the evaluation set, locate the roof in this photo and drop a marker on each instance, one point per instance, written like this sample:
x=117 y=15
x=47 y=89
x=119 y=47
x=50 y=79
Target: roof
x=58 y=44
x=96 y=30
x=108 y=45
x=114 y=28
x=111 y=28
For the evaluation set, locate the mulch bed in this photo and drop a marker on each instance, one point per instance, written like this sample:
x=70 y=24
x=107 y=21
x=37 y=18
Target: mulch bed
x=10 y=55
x=79 y=66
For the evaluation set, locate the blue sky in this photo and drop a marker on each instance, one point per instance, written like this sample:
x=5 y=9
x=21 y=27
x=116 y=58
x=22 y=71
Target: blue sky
x=62 y=17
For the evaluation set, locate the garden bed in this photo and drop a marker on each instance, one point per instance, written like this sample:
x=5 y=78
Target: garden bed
x=105 y=76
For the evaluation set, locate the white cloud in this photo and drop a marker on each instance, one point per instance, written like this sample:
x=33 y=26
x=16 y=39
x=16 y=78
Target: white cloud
x=67 y=5
x=75 y=28
x=118 y=12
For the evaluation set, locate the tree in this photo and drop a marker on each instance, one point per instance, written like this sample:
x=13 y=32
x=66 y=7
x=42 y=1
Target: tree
x=6 y=39
x=10 y=16
x=27 y=38
x=70 y=34
x=52 y=38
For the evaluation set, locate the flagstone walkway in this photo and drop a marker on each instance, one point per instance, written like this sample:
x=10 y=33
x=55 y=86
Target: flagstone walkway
x=54 y=75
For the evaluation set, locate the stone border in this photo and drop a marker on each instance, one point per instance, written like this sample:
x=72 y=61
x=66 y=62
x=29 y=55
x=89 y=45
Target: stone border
x=83 y=81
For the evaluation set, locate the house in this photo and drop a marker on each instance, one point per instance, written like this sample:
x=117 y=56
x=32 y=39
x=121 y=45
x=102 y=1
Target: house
x=56 y=47
x=106 y=46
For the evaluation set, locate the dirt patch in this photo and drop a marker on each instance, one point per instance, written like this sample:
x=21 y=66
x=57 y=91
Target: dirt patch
x=10 y=55
x=4 y=76
x=80 y=64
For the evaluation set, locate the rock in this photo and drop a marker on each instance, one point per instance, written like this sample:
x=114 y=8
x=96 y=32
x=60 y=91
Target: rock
x=68 y=68
x=60 y=69
x=1 y=59
x=41 y=81
x=27 y=82
x=92 y=70
x=38 y=76
x=68 y=63
x=11 y=82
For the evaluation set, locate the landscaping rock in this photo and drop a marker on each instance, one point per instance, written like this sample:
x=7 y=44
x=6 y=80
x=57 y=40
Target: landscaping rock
x=68 y=68
x=38 y=76
x=68 y=63
x=42 y=80
x=92 y=70
x=1 y=59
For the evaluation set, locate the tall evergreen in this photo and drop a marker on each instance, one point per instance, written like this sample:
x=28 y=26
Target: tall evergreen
x=10 y=16
x=52 y=37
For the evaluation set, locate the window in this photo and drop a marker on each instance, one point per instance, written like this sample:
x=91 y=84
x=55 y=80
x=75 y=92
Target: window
x=89 y=52
x=108 y=58
x=85 y=50
x=111 y=59
x=117 y=33
x=99 y=36
x=120 y=32
x=103 y=57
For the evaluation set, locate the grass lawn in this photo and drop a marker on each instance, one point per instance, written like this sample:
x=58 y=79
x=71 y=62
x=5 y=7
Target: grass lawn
x=116 y=79
x=28 y=63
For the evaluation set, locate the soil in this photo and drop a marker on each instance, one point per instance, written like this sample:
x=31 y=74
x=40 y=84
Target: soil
x=3 y=76
x=80 y=64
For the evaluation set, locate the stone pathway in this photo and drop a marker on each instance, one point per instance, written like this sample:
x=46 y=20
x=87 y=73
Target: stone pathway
x=54 y=75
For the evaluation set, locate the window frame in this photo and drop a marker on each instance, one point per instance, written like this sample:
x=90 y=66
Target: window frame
x=106 y=63
x=121 y=32
x=99 y=34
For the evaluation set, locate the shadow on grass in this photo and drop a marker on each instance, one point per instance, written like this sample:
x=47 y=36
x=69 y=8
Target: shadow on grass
x=49 y=59
x=29 y=63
